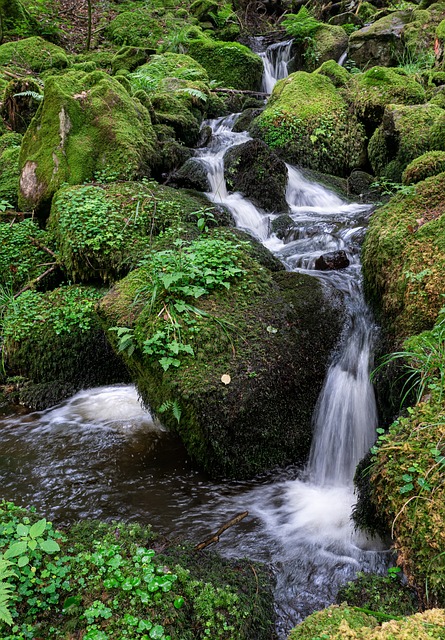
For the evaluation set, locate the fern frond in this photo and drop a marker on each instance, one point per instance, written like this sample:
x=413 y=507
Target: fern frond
x=29 y=94
x=5 y=590
x=195 y=93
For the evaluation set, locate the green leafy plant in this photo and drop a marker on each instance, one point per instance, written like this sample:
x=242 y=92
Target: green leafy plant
x=5 y=590
x=31 y=538
x=173 y=406
x=5 y=205
x=29 y=94
x=301 y=25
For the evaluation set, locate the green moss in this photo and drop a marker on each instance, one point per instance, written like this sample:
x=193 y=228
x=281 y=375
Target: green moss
x=404 y=258
x=102 y=59
x=270 y=323
x=102 y=231
x=380 y=43
x=20 y=259
x=17 y=21
x=382 y=594
x=308 y=123
x=33 y=54
x=408 y=491
x=425 y=166
x=87 y=123
x=406 y=132
x=56 y=336
x=9 y=175
x=325 y=624
x=135 y=28
x=330 y=41
x=440 y=31
x=130 y=57
x=229 y=63
x=338 y=75
x=371 y=91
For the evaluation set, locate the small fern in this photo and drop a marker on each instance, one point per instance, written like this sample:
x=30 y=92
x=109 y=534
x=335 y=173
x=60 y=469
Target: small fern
x=5 y=590
x=173 y=406
x=194 y=93
x=29 y=94
x=301 y=25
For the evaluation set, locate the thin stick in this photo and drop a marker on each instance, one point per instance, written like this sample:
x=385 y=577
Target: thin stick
x=36 y=280
x=224 y=527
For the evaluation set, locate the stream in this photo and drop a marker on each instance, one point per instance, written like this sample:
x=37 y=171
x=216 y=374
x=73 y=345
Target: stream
x=100 y=455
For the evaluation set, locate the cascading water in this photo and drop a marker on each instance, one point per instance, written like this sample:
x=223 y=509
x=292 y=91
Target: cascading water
x=275 y=61
x=100 y=455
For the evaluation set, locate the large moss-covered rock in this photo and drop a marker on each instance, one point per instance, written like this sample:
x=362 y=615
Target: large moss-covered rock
x=338 y=623
x=22 y=257
x=406 y=132
x=379 y=43
x=404 y=258
x=429 y=164
x=102 y=231
x=371 y=91
x=33 y=54
x=307 y=122
x=338 y=75
x=129 y=58
x=87 y=123
x=408 y=489
x=135 y=28
x=54 y=340
x=229 y=63
x=243 y=373
x=258 y=173
x=330 y=42
x=9 y=167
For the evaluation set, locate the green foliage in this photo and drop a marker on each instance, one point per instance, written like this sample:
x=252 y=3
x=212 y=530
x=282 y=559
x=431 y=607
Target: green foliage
x=173 y=406
x=301 y=25
x=32 y=94
x=175 y=279
x=103 y=582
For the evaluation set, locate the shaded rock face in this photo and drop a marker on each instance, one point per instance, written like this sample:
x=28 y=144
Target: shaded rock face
x=258 y=173
x=87 y=123
x=332 y=260
x=246 y=399
x=192 y=175
x=381 y=42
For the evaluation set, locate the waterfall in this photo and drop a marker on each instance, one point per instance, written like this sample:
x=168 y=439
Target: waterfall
x=275 y=61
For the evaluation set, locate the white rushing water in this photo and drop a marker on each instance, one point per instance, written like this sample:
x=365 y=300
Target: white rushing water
x=275 y=61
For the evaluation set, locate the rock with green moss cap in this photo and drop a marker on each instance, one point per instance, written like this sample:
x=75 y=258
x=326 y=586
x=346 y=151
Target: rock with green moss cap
x=330 y=41
x=54 y=340
x=231 y=64
x=33 y=54
x=87 y=123
x=338 y=75
x=406 y=132
x=135 y=29
x=328 y=622
x=308 y=123
x=413 y=442
x=258 y=173
x=103 y=230
x=404 y=258
x=235 y=369
x=130 y=58
x=440 y=34
x=9 y=167
x=429 y=164
x=371 y=91
x=381 y=42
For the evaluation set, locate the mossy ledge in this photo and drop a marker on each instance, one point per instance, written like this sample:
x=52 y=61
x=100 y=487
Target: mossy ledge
x=270 y=333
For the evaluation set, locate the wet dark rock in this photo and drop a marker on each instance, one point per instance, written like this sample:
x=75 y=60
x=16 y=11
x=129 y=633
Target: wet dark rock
x=381 y=42
x=205 y=136
x=245 y=119
x=192 y=175
x=282 y=225
x=332 y=260
x=360 y=184
x=258 y=173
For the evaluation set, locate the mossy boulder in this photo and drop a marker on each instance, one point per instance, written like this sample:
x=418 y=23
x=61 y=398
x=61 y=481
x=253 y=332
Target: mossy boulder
x=138 y=28
x=338 y=75
x=371 y=91
x=338 y=623
x=404 y=258
x=55 y=339
x=87 y=123
x=408 y=490
x=308 y=123
x=379 y=43
x=245 y=371
x=230 y=63
x=102 y=231
x=330 y=41
x=33 y=54
x=406 y=132
x=22 y=257
x=192 y=175
x=21 y=99
x=258 y=173
x=130 y=58
x=427 y=165
x=9 y=167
